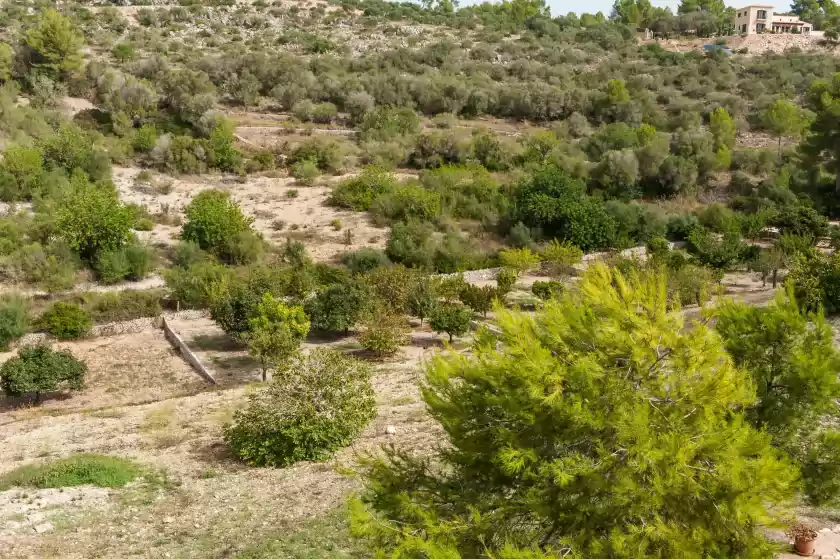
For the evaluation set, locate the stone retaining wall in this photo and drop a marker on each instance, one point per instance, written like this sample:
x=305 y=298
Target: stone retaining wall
x=142 y=324
x=490 y=273
x=173 y=338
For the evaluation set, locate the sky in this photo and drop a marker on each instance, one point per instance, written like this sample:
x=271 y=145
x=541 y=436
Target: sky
x=562 y=7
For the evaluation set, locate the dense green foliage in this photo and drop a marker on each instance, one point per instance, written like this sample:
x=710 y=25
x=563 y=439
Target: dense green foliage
x=213 y=219
x=793 y=362
x=275 y=332
x=14 y=321
x=317 y=404
x=66 y=321
x=39 y=369
x=600 y=408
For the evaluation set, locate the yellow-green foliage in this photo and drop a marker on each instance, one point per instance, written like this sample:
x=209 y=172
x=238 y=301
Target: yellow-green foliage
x=599 y=427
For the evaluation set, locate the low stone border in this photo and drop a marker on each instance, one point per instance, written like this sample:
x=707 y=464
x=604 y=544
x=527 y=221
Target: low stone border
x=173 y=338
x=133 y=326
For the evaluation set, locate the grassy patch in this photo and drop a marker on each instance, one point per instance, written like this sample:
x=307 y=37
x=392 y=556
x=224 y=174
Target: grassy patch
x=81 y=469
x=325 y=538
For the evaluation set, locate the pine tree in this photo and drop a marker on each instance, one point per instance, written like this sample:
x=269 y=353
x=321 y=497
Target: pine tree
x=600 y=427
x=791 y=357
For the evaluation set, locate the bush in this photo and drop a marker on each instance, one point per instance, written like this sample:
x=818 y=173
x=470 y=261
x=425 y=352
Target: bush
x=479 y=299
x=14 y=321
x=80 y=469
x=141 y=261
x=305 y=171
x=365 y=260
x=122 y=305
x=195 y=286
x=212 y=220
x=245 y=247
x=185 y=254
x=558 y=204
x=518 y=259
x=384 y=332
x=112 y=266
x=453 y=319
x=40 y=369
x=505 y=280
x=545 y=290
x=559 y=258
x=338 y=307
x=92 y=220
x=407 y=201
x=66 y=321
x=311 y=408
x=360 y=192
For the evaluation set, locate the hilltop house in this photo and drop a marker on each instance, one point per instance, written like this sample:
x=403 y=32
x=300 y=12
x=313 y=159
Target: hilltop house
x=760 y=18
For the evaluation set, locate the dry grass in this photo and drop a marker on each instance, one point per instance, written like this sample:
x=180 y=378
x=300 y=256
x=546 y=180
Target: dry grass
x=214 y=505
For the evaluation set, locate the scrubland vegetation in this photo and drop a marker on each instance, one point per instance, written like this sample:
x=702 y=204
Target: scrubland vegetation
x=626 y=408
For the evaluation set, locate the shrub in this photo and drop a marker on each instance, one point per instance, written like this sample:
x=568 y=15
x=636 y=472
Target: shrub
x=324 y=113
x=92 y=220
x=560 y=257
x=14 y=321
x=212 y=219
x=479 y=299
x=558 y=204
x=40 y=369
x=245 y=247
x=545 y=290
x=407 y=201
x=80 y=469
x=305 y=171
x=66 y=321
x=141 y=261
x=338 y=307
x=365 y=260
x=518 y=259
x=327 y=153
x=505 y=280
x=185 y=254
x=123 y=305
x=816 y=282
x=194 y=287
x=311 y=408
x=112 y=266
x=453 y=319
x=275 y=332
x=384 y=332
x=360 y=192
x=423 y=298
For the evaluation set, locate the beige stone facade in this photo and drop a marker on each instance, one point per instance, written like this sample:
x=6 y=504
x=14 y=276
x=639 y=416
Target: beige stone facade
x=760 y=18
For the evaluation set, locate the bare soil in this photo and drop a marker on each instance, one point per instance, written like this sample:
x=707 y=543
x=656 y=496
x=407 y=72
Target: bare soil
x=213 y=505
x=278 y=213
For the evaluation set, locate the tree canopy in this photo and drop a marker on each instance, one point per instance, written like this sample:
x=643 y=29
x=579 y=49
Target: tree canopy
x=600 y=427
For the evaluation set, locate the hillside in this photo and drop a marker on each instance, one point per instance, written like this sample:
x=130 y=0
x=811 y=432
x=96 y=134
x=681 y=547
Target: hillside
x=176 y=176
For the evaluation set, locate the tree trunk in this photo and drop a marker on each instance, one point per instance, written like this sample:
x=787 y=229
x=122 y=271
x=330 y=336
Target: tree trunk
x=775 y=277
x=837 y=183
x=450 y=337
x=780 y=145
x=37 y=397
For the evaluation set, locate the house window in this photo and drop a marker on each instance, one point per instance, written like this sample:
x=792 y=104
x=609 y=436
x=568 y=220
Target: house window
x=759 y=27
x=762 y=14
